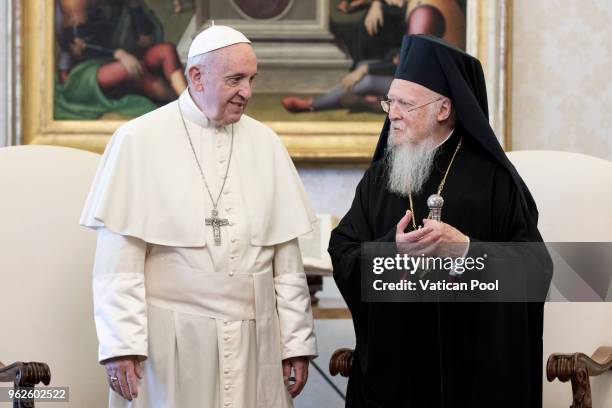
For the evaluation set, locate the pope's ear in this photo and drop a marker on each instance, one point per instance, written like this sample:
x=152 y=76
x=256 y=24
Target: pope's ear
x=195 y=78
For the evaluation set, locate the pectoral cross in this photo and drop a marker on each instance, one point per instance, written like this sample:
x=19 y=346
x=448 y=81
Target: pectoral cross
x=216 y=223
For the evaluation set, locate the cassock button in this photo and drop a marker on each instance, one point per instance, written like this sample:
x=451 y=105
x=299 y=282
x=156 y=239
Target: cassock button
x=226 y=355
x=231 y=273
x=227 y=404
x=234 y=240
x=226 y=372
x=227 y=387
x=226 y=338
x=225 y=192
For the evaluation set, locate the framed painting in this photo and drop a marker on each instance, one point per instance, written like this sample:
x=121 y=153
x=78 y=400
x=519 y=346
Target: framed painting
x=90 y=65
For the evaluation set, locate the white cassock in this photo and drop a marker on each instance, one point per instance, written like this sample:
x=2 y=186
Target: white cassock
x=214 y=321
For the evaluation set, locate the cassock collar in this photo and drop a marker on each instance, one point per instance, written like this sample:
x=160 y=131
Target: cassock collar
x=193 y=113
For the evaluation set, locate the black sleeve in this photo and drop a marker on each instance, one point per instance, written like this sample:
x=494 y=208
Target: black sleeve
x=517 y=255
x=345 y=245
x=346 y=239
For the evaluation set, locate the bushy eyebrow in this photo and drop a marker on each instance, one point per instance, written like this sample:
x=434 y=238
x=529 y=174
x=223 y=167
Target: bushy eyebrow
x=238 y=75
x=401 y=100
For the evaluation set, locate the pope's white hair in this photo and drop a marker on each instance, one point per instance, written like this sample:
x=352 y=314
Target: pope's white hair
x=196 y=61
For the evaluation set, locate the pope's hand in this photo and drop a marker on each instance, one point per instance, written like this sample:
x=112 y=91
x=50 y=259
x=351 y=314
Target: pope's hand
x=127 y=370
x=431 y=239
x=300 y=373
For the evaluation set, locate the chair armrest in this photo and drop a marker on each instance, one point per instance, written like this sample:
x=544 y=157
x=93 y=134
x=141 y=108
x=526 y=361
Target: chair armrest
x=25 y=374
x=341 y=362
x=578 y=368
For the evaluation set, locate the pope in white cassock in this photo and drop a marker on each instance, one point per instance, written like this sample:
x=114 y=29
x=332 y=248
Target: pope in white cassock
x=200 y=297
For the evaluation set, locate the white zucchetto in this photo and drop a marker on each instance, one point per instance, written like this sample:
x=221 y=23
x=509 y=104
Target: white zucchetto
x=215 y=37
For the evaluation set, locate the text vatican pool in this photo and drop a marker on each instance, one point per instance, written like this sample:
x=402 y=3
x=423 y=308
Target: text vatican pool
x=443 y=285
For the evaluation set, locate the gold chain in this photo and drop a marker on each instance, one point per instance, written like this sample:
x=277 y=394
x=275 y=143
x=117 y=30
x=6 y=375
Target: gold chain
x=440 y=187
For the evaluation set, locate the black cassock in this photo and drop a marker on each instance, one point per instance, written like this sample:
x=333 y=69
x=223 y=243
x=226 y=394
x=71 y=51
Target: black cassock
x=442 y=354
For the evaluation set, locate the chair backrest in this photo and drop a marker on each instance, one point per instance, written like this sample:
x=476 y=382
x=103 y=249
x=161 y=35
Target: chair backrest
x=572 y=192
x=46 y=311
x=574 y=198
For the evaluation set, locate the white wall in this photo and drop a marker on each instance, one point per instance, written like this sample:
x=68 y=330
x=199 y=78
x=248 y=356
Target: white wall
x=331 y=190
x=562 y=76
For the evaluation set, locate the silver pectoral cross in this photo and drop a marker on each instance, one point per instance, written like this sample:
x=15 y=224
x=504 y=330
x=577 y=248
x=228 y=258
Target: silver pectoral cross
x=216 y=223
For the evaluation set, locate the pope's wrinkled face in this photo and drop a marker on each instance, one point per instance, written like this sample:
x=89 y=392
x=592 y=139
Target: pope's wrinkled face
x=225 y=85
x=414 y=112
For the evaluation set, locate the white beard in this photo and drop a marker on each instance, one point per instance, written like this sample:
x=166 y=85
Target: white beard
x=409 y=165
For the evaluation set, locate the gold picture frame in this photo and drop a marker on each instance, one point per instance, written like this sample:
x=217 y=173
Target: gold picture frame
x=488 y=38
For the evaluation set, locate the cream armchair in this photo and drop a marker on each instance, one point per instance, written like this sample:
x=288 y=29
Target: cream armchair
x=46 y=311
x=575 y=202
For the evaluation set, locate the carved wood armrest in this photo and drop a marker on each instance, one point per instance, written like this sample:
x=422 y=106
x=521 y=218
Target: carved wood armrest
x=25 y=374
x=340 y=362
x=577 y=368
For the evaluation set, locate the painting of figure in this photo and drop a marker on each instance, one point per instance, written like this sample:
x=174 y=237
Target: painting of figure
x=323 y=65
x=112 y=59
x=117 y=59
x=372 y=42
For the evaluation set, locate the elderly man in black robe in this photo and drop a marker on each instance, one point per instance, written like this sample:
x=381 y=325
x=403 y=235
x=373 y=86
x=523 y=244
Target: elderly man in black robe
x=437 y=139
